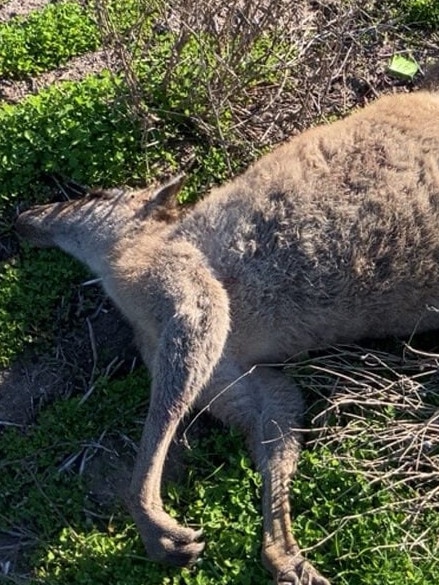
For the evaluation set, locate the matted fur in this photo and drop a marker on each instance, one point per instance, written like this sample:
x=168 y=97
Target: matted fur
x=331 y=237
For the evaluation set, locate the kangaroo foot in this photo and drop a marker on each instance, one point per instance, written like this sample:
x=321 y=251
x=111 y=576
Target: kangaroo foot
x=302 y=573
x=165 y=540
x=293 y=569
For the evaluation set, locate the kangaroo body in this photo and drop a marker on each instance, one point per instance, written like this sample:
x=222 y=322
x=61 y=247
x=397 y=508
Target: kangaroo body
x=330 y=238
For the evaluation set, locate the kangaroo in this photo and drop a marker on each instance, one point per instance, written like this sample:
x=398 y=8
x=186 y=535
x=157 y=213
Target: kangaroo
x=332 y=237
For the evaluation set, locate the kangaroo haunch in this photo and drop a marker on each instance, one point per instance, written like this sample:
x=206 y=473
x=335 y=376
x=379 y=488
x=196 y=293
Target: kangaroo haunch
x=332 y=237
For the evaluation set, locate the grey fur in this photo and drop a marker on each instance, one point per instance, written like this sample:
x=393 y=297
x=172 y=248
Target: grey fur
x=331 y=237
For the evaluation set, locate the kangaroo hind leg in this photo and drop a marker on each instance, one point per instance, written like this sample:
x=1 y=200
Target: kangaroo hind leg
x=268 y=408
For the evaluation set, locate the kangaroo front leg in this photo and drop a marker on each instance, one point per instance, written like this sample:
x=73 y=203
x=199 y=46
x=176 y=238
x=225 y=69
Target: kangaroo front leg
x=268 y=408
x=164 y=539
x=189 y=348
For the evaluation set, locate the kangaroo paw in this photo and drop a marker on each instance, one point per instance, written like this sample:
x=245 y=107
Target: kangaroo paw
x=296 y=570
x=291 y=568
x=178 y=548
x=165 y=540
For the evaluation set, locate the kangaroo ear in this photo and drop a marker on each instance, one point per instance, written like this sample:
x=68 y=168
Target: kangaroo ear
x=163 y=205
x=166 y=195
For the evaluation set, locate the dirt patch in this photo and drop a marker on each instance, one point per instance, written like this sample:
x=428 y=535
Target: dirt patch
x=13 y=91
x=20 y=8
x=102 y=343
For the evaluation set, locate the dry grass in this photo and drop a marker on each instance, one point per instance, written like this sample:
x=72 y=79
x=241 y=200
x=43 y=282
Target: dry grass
x=377 y=412
x=319 y=59
x=383 y=404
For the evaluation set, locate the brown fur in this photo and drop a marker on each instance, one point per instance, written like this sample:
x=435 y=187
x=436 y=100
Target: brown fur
x=331 y=237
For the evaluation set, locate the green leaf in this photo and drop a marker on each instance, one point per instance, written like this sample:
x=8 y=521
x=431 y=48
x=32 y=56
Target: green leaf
x=403 y=67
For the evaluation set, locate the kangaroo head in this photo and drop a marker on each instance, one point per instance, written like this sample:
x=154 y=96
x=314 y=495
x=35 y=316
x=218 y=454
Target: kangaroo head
x=88 y=228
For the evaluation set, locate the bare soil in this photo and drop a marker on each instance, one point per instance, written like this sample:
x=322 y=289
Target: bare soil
x=13 y=91
x=19 y=8
x=99 y=343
